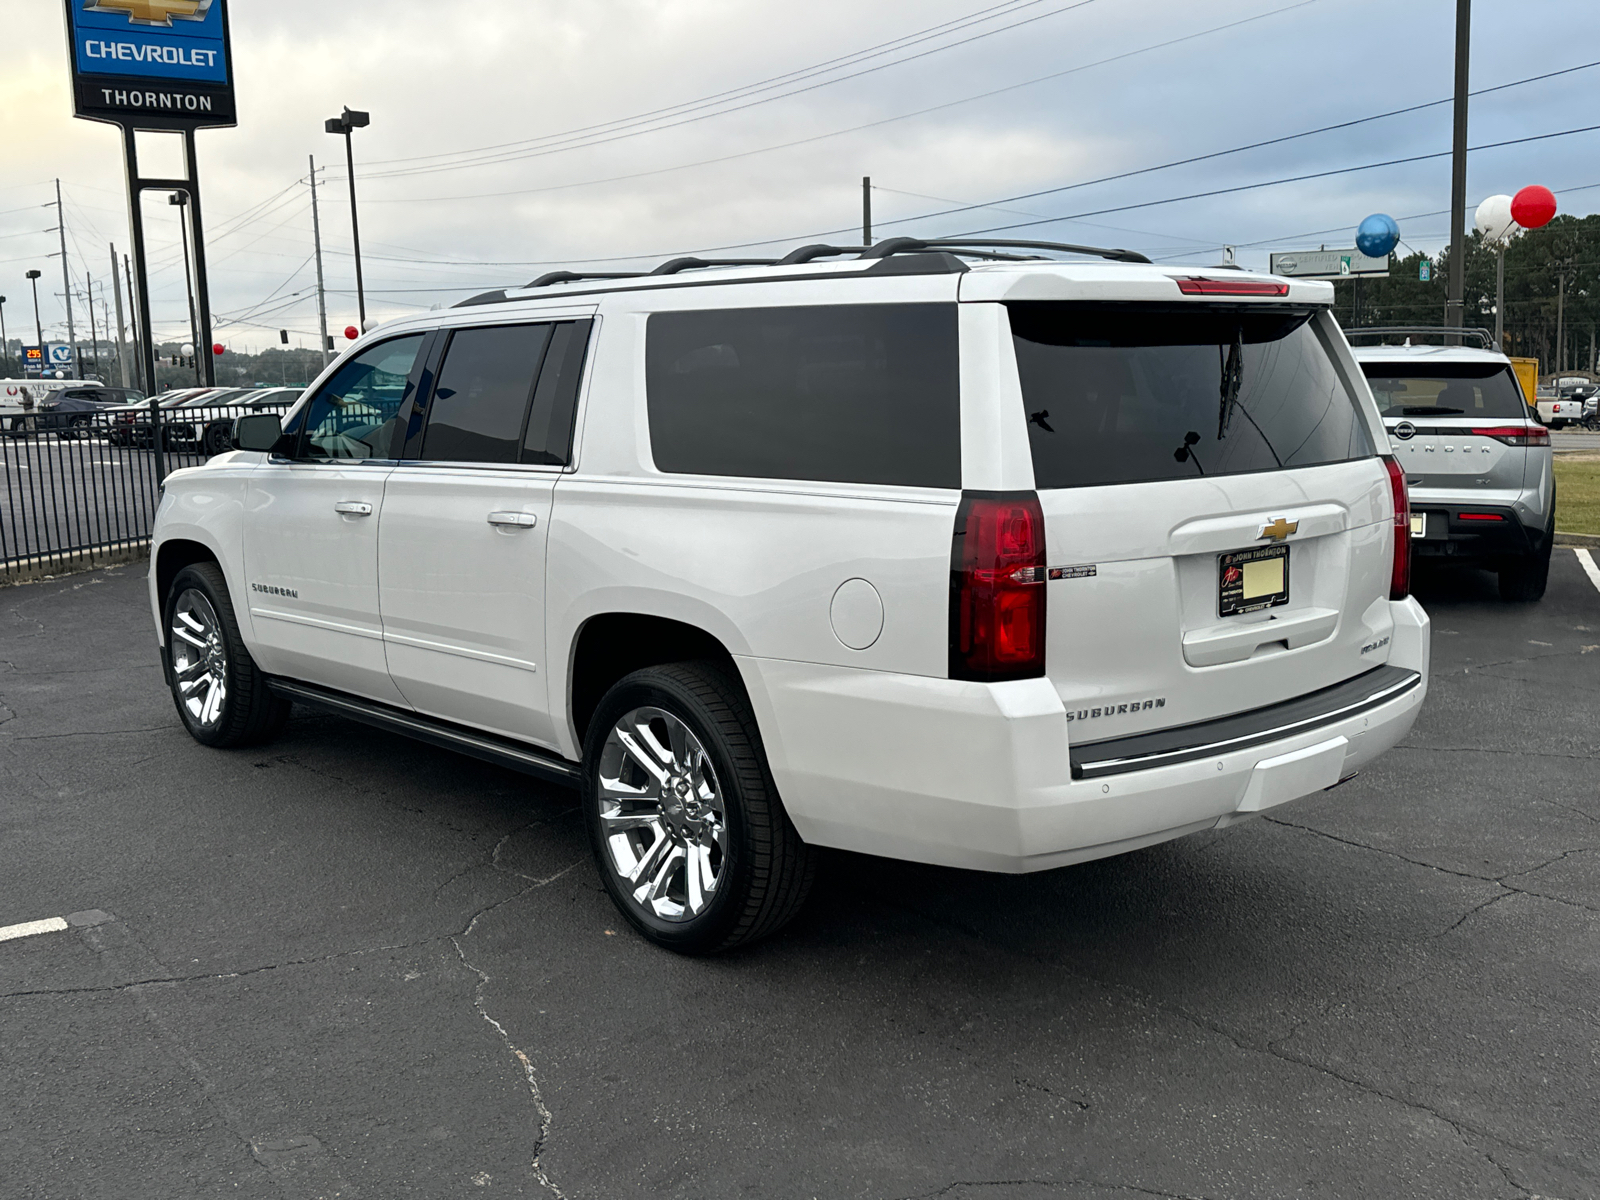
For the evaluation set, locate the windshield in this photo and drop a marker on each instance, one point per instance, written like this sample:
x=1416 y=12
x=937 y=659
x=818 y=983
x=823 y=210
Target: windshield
x=1130 y=393
x=1461 y=389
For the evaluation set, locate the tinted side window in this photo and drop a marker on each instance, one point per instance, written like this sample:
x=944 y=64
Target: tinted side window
x=480 y=404
x=555 y=404
x=860 y=393
x=356 y=413
x=1130 y=393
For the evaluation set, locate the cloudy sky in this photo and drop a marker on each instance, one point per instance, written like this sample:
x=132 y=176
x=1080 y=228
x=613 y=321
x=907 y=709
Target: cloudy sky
x=510 y=136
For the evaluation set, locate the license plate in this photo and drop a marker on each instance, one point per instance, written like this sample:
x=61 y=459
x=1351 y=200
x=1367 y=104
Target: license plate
x=1250 y=580
x=1419 y=525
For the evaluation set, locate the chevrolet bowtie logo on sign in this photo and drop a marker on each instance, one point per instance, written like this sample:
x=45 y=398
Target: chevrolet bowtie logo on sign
x=1278 y=529
x=153 y=12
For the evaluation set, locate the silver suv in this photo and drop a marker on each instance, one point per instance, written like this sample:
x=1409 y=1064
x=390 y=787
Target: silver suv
x=1476 y=458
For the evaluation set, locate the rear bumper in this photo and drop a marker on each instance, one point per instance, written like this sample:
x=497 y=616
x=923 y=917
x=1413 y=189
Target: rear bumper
x=1474 y=531
x=981 y=775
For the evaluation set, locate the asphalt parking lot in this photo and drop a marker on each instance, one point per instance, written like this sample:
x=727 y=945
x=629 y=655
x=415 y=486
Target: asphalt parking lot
x=350 y=965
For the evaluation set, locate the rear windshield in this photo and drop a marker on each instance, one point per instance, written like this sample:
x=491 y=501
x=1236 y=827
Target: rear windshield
x=1446 y=390
x=1129 y=393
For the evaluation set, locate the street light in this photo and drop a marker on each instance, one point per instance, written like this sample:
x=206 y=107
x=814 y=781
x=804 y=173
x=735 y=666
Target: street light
x=181 y=199
x=344 y=123
x=38 y=328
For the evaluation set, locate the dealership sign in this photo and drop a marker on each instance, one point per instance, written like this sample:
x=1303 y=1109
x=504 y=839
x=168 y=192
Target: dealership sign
x=1328 y=264
x=155 y=64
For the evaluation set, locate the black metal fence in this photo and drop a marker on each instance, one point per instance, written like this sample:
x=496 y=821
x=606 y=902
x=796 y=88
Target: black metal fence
x=81 y=488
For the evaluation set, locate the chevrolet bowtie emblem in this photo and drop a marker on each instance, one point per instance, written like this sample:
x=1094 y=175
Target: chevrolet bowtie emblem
x=1278 y=529
x=153 y=12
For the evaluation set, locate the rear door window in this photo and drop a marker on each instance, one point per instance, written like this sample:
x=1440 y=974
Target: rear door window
x=855 y=393
x=1131 y=393
x=479 y=408
x=1460 y=389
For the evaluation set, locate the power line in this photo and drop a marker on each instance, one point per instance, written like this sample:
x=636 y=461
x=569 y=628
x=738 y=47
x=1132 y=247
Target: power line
x=555 y=144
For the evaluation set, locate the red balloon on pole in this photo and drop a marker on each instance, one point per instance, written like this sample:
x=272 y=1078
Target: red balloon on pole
x=351 y=332
x=218 y=348
x=1533 y=207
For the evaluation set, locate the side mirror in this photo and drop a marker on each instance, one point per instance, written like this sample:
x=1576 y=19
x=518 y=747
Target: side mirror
x=258 y=431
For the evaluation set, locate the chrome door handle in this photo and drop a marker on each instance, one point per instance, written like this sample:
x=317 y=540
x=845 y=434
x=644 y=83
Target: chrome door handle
x=353 y=508
x=516 y=520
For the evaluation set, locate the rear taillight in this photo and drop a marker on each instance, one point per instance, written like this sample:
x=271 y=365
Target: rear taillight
x=1400 y=572
x=997 y=576
x=1194 y=286
x=1515 y=435
x=1466 y=516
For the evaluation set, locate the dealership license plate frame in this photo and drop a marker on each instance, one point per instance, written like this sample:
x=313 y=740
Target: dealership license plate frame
x=1232 y=600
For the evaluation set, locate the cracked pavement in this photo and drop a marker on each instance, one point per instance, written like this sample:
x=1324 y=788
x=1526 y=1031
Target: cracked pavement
x=349 y=965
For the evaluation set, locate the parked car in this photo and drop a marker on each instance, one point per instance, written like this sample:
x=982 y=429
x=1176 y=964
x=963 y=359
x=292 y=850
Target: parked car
x=1559 y=412
x=1478 y=464
x=130 y=425
x=216 y=431
x=994 y=564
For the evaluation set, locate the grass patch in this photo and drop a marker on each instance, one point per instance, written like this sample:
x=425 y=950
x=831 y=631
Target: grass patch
x=1578 y=495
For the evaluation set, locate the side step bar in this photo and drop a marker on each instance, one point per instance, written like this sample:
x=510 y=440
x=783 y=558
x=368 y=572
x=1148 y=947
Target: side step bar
x=487 y=746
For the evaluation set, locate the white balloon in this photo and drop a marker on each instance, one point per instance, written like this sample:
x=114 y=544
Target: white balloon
x=186 y=349
x=1493 y=219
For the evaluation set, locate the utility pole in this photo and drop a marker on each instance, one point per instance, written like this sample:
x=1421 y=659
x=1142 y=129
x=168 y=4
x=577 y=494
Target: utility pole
x=5 y=342
x=1500 y=296
x=1458 y=172
x=316 y=239
x=122 y=335
x=94 y=332
x=181 y=199
x=866 y=210
x=1561 y=328
x=139 y=355
x=66 y=276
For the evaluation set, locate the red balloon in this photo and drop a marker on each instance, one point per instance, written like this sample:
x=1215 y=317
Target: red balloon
x=351 y=332
x=217 y=348
x=1533 y=207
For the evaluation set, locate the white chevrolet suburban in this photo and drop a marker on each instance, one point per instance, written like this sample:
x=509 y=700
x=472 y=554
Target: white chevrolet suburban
x=955 y=553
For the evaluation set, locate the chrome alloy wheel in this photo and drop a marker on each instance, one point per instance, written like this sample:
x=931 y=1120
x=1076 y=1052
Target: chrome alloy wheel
x=662 y=815
x=199 y=658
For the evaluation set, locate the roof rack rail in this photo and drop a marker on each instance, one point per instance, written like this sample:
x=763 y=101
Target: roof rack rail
x=550 y=277
x=1483 y=337
x=673 y=265
x=817 y=250
x=987 y=247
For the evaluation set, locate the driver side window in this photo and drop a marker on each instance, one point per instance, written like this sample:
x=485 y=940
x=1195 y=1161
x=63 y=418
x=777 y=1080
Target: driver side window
x=357 y=412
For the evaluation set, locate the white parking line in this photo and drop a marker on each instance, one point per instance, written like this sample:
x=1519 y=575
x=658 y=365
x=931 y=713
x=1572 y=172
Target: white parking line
x=29 y=928
x=1586 y=561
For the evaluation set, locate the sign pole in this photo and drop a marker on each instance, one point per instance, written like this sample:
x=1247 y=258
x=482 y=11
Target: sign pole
x=202 y=292
x=1453 y=309
x=139 y=277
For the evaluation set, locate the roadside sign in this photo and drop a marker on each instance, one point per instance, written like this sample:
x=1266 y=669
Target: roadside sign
x=60 y=355
x=32 y=356
x=158 y=64
x=1328 y=264
x=1424 y=271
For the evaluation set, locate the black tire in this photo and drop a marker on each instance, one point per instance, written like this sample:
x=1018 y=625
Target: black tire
x=217 y=438
x=767 y=870
x=248 y=713
x=1525 y=579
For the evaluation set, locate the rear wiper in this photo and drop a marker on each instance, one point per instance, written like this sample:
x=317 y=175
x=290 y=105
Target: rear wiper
x=1232 y=381
x=1430 y=410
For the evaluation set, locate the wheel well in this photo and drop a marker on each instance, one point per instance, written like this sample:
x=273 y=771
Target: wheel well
x=616 y=644
x=173 y=557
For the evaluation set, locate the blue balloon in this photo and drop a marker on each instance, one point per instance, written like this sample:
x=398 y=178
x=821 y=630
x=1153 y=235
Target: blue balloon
x=1377 y=236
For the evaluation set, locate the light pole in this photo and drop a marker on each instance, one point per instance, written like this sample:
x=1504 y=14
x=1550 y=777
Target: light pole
x=5 y=342
x=344 y=123
x=38 y=328
x=181 y=199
